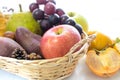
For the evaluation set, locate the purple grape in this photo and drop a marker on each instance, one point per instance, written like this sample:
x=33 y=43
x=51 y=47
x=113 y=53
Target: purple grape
x=41 y=1
x=49 y=8
x=45 y=25
x=38 y=14
x=63 y=18
x=54 y=19
x=79 y=28
x=33 y=6
x=70 y=22
x=60 y=11
x=46 y=16
x=53 y=1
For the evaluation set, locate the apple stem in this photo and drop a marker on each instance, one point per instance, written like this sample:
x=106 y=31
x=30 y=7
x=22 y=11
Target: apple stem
x=20 y=7
x=59 y=31
x=71 y=15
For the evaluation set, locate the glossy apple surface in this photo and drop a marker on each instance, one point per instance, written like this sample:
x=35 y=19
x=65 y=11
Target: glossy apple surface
x=57 y=41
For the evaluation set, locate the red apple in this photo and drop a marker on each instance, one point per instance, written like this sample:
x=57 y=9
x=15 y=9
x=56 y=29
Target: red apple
x=57 y=41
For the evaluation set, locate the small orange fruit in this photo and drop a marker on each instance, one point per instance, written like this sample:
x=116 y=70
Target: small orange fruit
x=2 y=24
x=101 y=41
x=104 y=63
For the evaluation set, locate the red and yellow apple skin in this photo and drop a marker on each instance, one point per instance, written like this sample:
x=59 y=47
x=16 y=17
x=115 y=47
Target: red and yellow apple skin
x=57 y=41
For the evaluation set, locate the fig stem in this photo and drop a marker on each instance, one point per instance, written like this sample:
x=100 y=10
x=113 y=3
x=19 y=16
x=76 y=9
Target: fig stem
x=97 y=51
x=20 y=7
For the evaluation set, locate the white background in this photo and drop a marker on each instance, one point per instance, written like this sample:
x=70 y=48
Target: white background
x=102 y=15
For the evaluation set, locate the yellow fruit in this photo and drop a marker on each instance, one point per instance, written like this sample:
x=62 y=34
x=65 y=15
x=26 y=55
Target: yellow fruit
x=104 y=63
x=80 y=19
x=2 y=24
x=101 y=41
x=23 y=19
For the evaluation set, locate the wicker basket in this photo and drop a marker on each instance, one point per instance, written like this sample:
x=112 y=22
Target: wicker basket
x=47 y=69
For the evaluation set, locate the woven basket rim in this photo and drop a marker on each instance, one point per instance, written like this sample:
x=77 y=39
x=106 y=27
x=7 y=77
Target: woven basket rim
x=90 y=38
x=83 y=36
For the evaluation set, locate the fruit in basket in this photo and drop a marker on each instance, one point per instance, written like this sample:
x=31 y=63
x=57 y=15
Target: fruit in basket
x=9 y=34
x=28 y=40
x=38 y=14
x=70 y=22
x=7 y=46
x=49 y=8
x=57 y=41
x=51 y=16
x=45 y=25
x=79 y=19
x=33 y=56
x=24 y=19
x=103 y=63
x=19 y=54
x=45 y=1
x=54 y=19
x=2 y=24
x=33 y=6
x=41 y=1
x=101 y=41
x=63 y=18
x=59 y=11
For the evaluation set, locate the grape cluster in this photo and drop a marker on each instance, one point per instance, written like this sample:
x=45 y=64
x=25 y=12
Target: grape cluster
x=48 y=15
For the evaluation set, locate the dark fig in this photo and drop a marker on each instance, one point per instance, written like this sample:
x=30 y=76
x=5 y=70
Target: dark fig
x=7 y=46
x=28 y=40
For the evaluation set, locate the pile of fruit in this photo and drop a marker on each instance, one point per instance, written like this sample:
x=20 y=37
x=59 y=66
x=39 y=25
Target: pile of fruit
x=103 y=56
x=44 y=32
x=47 y=32
x=48 y=15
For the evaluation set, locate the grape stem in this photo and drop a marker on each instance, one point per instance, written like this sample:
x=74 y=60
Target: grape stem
x=20 y=7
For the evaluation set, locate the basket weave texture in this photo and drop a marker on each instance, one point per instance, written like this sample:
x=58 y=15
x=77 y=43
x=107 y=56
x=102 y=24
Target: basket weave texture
x=47 y=69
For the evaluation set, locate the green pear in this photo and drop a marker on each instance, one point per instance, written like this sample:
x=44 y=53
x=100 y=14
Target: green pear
x=80 y=20
x=24 y=19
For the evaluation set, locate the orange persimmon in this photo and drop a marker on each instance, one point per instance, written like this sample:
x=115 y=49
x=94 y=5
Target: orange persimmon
x=103 y=63
x=101 y=41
